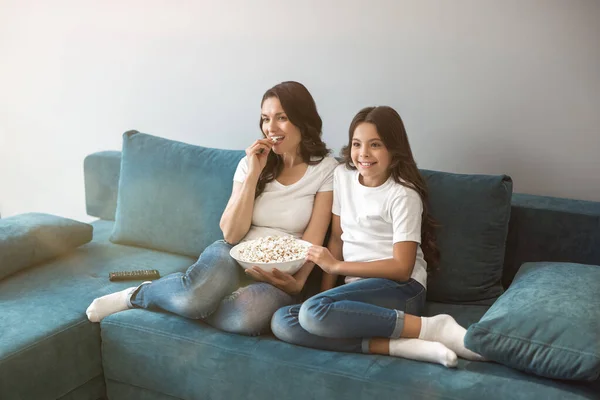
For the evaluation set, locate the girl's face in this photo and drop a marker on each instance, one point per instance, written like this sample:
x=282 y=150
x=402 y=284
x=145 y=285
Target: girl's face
x=370 y=156
x=275 y=124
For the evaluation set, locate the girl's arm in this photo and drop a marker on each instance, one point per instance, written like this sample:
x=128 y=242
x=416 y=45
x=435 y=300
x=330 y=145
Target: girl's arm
x=315 y=234
x=398 y=268
x=335 y=248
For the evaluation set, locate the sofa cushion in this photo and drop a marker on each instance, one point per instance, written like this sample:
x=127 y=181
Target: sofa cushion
x=29 y=239
x=546 y=323
x=48 y=348
x=158 y=355
x=172 y=194
x=473 y=213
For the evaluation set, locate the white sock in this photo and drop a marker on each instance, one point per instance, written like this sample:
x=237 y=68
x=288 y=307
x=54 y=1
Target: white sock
x=422 y=350
x=444 y=329
x=111 y=303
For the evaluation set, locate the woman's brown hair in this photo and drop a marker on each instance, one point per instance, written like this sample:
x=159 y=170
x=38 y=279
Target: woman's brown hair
x=301 y=110
x=403 y=167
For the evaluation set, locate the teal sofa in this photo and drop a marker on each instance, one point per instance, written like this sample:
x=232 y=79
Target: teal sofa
x=49 y=350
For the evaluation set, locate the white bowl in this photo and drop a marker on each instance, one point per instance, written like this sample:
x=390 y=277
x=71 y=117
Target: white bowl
x=290 y=267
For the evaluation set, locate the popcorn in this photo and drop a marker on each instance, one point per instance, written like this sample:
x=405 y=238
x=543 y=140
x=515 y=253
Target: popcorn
x=273 y=249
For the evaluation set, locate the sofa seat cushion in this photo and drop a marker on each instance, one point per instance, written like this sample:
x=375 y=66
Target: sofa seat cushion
x=186 y=359
x=48 y=348
x=546 y=323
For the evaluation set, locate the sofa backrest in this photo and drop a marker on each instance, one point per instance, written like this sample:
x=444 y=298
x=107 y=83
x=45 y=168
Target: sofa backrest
x=546 y=228
x=540 y=228
x=101 y=176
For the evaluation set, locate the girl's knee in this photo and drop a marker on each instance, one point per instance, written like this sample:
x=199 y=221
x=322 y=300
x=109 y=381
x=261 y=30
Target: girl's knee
x=284 y=323
x=311 y=314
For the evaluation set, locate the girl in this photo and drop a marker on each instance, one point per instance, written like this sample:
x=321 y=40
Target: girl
x=382 y=238
x=282 y=187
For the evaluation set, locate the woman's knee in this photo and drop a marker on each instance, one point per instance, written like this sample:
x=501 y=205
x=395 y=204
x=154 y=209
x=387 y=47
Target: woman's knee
x=248 y=310
x=245 y=326
x=214 y=272
x=217 y=250
x=188 y=305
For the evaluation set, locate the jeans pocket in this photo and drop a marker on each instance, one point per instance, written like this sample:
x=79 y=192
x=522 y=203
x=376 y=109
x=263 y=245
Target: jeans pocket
x=416 y=304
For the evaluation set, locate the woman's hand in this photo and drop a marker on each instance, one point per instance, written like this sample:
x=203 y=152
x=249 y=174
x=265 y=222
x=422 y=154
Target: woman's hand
x=322 y=257
x=257 y=154
x=280 y=280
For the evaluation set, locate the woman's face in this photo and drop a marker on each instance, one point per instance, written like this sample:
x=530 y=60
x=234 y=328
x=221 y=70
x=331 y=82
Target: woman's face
x=276 y=125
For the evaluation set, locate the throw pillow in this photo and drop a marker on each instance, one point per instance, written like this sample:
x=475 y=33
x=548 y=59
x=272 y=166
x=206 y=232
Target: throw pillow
x=32 y=238
x=171 y=194
x=473 y=213
x=547 y=323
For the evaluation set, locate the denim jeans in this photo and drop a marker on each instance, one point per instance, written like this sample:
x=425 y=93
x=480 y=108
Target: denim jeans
x=210 y=290
x=345 y=317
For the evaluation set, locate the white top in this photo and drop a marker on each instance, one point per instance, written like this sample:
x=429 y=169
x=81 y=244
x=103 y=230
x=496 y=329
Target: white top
x=374 y=218
x=286 y=210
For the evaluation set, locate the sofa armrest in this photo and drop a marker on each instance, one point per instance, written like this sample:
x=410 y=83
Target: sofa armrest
x=29 y=239
x=551 y=229
x=101 y=173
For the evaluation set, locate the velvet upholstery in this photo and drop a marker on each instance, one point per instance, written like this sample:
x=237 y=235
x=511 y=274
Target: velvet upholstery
x=547 y=323
x=172 y=194
x=156 y=355
x=473 y=213
x=29 y=239
x=48 y=348
x=551 y=229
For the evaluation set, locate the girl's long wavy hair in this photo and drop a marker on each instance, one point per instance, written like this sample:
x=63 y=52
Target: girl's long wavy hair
x=301 y=110
x=403 y=167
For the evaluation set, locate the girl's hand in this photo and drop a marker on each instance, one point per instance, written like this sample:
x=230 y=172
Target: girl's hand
x=280 y=280
x=257 y=154
x=322 y=257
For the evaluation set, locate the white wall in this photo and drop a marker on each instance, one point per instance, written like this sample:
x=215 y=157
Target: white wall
x=483 y=86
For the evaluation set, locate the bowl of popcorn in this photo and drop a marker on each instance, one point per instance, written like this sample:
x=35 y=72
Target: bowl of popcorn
x=286 y=253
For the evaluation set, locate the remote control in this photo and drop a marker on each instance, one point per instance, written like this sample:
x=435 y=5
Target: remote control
x=138 y=275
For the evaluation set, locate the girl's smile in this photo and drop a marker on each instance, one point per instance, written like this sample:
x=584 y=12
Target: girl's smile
x=369 y=155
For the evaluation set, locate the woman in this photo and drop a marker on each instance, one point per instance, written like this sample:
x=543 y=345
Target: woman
x=283 y=186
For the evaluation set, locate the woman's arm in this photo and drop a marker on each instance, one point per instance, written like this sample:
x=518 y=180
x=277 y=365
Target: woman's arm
x=335 y=248
x=398 y=268
x=237 y=217
x=314 y=233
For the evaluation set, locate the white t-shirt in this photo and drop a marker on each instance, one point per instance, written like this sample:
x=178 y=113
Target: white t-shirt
x=286 y=210
x=374 y=218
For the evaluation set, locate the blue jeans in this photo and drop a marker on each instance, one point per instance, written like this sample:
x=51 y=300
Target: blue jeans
x=210 y=290
x=345 y=317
